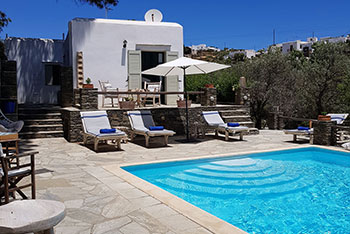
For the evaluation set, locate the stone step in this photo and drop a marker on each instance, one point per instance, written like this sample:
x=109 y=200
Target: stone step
x=29 y=116
x=39 y=109
x=240 y=111
x=42 y=134
x=237 y=118
x=247 y=123
x=42 y=121
x=40 y=128
x=225 y=108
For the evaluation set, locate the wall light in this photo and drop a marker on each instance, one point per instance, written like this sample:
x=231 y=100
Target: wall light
x=125 y=42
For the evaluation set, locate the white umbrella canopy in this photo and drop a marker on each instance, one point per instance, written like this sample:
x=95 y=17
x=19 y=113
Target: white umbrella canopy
x=184 y=66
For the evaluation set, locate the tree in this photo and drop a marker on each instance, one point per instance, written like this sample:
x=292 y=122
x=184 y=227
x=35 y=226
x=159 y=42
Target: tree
x=102 y=4
x=325 y=75
x=271 y=83
x=4 y=20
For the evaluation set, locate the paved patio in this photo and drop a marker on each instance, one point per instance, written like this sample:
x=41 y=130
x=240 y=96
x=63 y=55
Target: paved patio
x=98 y=201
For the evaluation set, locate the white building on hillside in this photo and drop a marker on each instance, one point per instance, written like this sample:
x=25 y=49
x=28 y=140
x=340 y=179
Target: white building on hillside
x=304 y=46
x=112 y=50
x=202 y=47
x=247 y=53
x=335 y=39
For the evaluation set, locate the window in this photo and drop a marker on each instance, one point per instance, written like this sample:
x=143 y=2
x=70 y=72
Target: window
x=52 y=74
x=291 y=48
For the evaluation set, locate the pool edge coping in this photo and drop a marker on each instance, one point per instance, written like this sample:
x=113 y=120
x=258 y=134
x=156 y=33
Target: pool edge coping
x=194 y=213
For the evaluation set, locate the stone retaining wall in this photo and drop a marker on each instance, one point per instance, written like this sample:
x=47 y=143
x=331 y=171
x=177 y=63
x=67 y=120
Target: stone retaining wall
x=170 y=117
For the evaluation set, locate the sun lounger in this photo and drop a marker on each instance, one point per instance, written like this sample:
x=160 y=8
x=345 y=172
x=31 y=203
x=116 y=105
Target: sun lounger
x=340 y=118
x=93 y=122
x=141 y=121
x=7 y=125
x=306 y=133
x=214 y=119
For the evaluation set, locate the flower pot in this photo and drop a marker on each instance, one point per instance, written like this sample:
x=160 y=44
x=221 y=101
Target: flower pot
x=127 y=105
x=88 y=86
x=324 y=118
x=182 y=103
x=209 y=86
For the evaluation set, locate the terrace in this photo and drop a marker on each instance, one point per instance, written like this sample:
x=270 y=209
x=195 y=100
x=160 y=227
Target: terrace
x=99 y=201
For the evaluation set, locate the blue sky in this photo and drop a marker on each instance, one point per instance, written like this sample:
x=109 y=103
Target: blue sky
x=244 y=24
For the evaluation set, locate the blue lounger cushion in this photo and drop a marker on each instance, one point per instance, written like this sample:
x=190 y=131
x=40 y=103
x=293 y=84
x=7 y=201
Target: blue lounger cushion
x=156 y=128
x=111 y=130
x=303 y=128
x=233 y=124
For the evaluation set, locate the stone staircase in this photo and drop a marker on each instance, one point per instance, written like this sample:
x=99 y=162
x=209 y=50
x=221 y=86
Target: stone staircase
x=40 y=121
x=238 y=114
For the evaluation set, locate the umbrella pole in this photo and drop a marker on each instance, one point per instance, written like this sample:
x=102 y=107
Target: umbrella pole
x=187 y=121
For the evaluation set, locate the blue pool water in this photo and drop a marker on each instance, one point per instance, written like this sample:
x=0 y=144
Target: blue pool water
x=292 y=191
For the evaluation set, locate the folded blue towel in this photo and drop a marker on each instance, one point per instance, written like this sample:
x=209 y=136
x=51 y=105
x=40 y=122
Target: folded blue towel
x=156 y=128
x=233 y=124
x=112 y=130
x=303 y=128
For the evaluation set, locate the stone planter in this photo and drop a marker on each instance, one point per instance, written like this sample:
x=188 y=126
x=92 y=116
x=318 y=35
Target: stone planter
x=182 y=103
x=324 y=118
x=127 y=105
x=88 y=86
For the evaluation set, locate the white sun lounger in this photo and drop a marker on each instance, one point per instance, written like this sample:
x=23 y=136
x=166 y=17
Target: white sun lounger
x=306 y=133
x=214 y=119
x=140 y=122
x=93 y=122
x=340 y=118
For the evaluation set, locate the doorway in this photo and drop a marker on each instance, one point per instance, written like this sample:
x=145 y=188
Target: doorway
x=150 y=60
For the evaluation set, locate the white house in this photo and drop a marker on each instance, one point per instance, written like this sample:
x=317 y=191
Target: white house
x=38 y=64
x=247 y=53
x=113 y=50
x=202 y=47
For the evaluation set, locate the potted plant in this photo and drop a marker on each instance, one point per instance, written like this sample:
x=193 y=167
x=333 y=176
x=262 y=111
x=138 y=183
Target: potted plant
x=88 y=84
x=209 y=86
x=127 y=103
x=181 y=103
x=324 y=117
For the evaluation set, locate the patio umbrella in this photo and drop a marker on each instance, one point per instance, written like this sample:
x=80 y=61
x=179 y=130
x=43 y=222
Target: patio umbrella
x=184 y=66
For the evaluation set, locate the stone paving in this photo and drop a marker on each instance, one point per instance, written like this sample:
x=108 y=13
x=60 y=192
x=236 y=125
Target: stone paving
x=98 y=201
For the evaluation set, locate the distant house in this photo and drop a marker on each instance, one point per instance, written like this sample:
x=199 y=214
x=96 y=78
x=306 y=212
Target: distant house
x=113 y=50
x=202 y=47
x=335 y=39
x=303 y=46
x=247 y=53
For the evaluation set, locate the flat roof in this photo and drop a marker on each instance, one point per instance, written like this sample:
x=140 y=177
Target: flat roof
x=127 y=22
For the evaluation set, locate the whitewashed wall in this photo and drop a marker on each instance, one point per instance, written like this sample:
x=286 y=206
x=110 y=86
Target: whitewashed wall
x=101 y=42
x=30 y=55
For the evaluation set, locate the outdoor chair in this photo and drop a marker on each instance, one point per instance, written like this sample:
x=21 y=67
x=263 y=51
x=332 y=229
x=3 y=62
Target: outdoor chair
x=301 y=132
x=12 y=175
x=214 y=120
x=340 y=118
x=141 y=124
x=153 y=87
x=7 y=125
x=95 y=122
x=309 y=132
x=107 y=87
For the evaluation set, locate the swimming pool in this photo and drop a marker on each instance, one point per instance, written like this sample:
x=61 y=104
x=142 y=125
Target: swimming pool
x=292 y=191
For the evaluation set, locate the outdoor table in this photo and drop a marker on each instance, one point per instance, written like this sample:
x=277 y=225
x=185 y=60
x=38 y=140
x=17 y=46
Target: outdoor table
x=31 y=216
x=7 y=137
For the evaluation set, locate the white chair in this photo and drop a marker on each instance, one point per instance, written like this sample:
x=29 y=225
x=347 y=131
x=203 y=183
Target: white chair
x=107 y=87
x=7 y=125
x=340 y=118
x=153 y=87
x=214 y=119
x=93 y=122
x=141 y=121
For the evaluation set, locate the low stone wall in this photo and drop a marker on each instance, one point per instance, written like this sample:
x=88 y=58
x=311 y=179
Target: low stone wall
x=324 y=132
x=170 y=117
